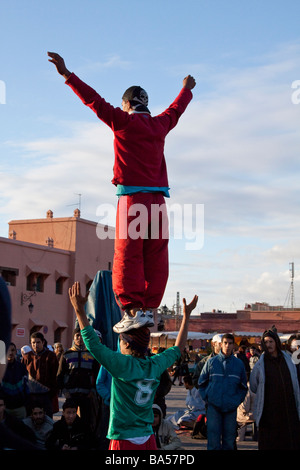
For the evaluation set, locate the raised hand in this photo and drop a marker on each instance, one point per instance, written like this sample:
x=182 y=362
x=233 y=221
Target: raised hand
x=183 y=331
x=188 y=308
x=77 y=300
x=59 y=63
x=189 y=82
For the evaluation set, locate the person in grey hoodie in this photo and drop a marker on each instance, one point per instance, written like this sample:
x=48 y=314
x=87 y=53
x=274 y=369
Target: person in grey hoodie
x=277 y=401
x=165 y=435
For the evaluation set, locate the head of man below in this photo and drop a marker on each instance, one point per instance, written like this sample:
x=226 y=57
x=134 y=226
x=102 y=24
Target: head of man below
x=69 y=412
x=271 y=343
x=188 y=382
x=216 y=343
x=227 y=344
x=37 y=342
x=38 y=416
x=135 y=342
x=77 y=339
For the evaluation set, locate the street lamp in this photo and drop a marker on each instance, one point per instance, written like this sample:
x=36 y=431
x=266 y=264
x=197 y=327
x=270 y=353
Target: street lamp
x=26 y=298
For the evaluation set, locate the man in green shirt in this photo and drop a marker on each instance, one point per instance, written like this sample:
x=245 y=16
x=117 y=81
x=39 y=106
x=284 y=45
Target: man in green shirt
x=135 y=377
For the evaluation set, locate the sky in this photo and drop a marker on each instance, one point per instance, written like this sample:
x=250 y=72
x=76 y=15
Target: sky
x=233 y=158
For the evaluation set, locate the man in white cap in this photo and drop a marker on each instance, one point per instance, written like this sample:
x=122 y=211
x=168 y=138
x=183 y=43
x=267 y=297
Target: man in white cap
x=215 y=349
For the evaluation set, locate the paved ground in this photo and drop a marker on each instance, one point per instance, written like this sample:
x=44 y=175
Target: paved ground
x=176 y=400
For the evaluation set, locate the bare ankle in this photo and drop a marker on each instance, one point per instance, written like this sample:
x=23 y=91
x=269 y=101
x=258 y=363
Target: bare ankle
x=133 y=311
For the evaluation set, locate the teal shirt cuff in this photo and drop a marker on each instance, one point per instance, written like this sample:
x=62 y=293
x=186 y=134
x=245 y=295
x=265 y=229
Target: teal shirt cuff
x=126 y=190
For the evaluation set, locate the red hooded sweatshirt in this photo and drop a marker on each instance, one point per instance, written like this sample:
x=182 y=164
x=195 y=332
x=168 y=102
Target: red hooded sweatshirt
x=139 y=138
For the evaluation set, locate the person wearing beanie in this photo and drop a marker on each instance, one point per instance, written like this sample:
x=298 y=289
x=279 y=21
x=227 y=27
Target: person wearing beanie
x=277 y=402
x=76 y=377
x=141 y=266
x=135 y=376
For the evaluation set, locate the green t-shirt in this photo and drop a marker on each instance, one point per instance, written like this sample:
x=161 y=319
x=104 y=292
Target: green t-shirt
x=134 y=383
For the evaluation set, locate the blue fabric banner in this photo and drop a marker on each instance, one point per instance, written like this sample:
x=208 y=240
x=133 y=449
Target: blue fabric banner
x=102 y=308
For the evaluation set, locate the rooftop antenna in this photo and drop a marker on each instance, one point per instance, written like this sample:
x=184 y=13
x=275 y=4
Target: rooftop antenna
x=77 y=204
x=291 y=294
x=177 y=311
x=177 y=303
x=292 y=272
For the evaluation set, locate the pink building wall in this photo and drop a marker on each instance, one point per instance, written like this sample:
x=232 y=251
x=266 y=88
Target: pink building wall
x=57 y=252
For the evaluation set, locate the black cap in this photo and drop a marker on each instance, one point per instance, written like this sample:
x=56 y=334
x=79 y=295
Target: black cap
x=271 y=333
x=138 y=98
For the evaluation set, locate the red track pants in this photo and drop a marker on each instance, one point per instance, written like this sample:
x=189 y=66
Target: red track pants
x=127 y=445
x=141 y=263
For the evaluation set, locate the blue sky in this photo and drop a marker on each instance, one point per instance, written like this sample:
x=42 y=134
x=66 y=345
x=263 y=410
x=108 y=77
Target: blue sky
x=235 y=150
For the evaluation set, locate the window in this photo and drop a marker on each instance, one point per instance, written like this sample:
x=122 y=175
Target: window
x=57 y=335
x=60 y=278
x=59 y=285
x=36 y=282
x=9 y=275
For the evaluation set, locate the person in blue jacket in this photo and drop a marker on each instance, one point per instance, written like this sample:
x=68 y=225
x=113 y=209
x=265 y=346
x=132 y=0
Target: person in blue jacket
x=223 y=387
x=103 y=387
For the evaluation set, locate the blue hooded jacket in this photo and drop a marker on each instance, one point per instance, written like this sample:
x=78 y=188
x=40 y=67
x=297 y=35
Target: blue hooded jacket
x=223 y=382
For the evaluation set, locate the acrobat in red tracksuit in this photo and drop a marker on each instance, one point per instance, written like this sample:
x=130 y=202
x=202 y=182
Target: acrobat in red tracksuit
x=140 y=268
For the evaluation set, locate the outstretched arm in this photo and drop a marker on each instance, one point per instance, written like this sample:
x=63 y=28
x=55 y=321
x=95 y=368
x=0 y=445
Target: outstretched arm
x=183 y=331
x=59 y=63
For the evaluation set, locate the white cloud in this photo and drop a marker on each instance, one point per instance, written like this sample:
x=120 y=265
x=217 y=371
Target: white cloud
x=55 y=170
x=111 y=62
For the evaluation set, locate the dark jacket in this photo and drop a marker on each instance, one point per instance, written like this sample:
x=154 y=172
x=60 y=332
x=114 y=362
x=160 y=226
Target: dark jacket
x=78 y=371
x=15 y=435
x=199 y=366
x=42 y=369
x=14 y=385
x=77 y=435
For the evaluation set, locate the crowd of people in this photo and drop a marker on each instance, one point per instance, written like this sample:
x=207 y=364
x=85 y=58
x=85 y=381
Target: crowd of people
x=228 y=389
x=31 y=386
x=252 y=384
x=33 y=383
x=245 y=387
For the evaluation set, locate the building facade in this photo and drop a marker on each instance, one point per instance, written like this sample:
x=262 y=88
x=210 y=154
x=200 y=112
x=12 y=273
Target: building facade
x=248 y=324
